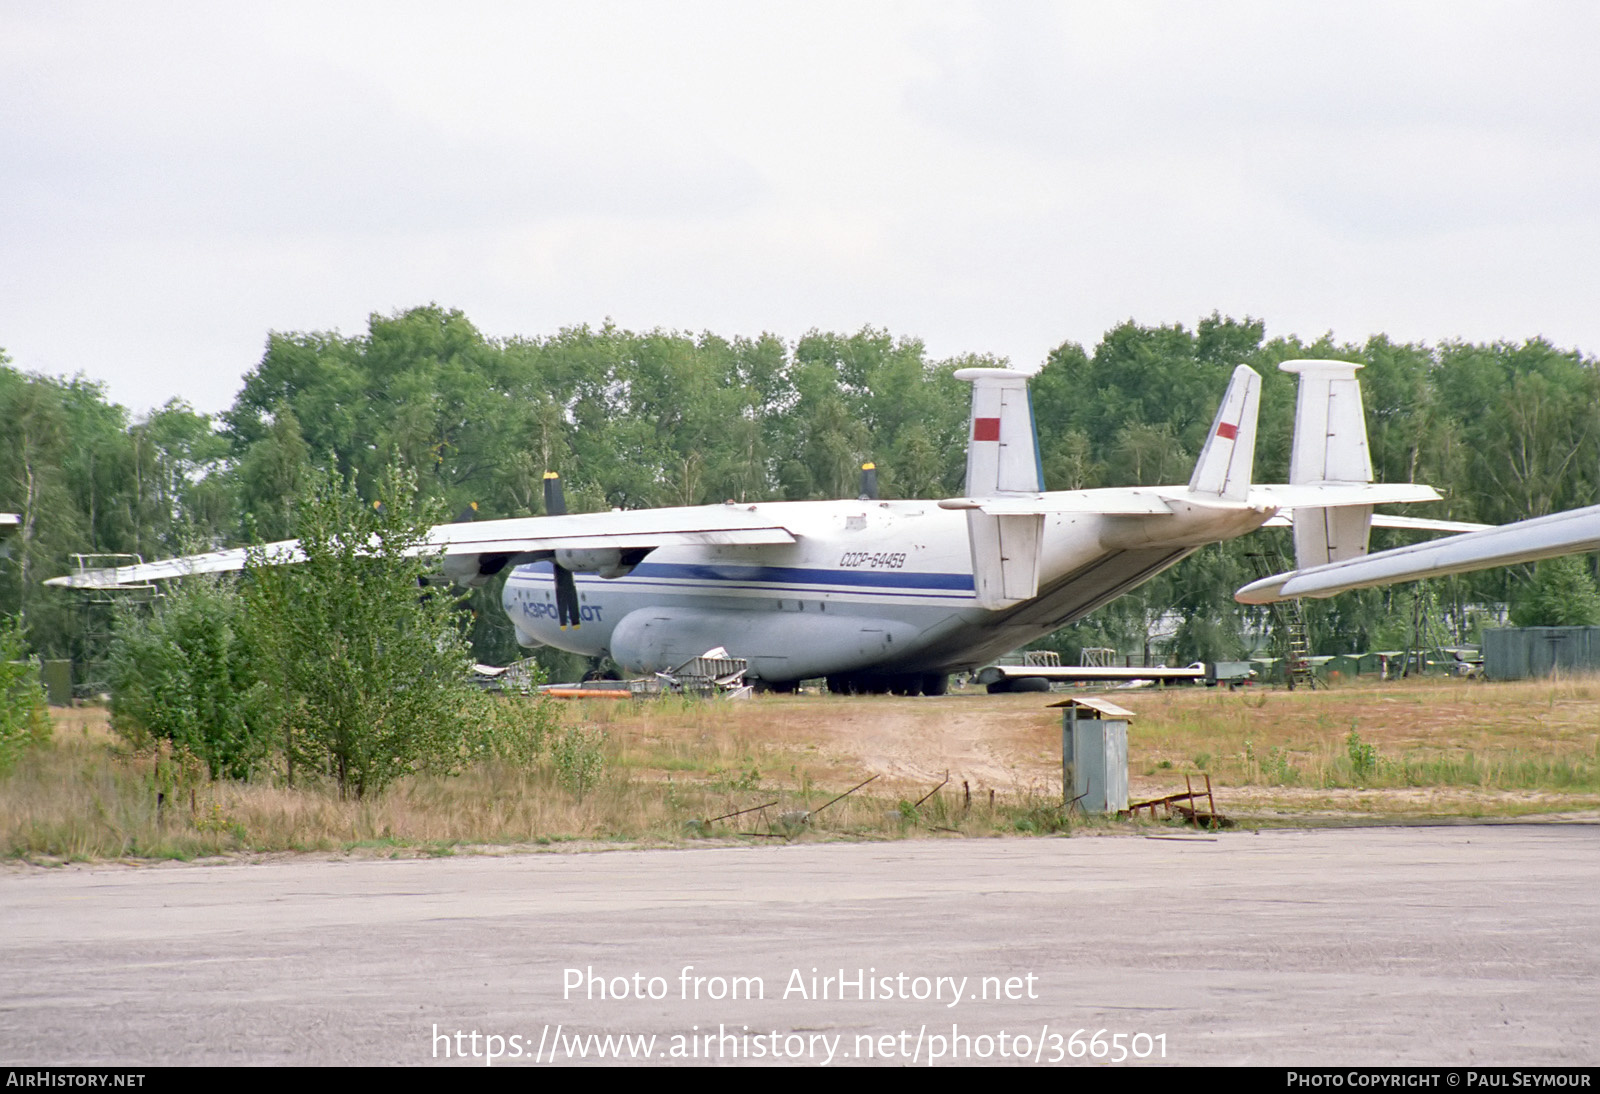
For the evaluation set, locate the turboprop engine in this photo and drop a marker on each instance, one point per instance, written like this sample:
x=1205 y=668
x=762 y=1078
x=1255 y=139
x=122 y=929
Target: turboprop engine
x=606 y=561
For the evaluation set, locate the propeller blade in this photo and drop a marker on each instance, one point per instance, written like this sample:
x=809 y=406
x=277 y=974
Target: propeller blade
x=869 y=482
x=566 y=597
x=555 y=505
x=555 y=499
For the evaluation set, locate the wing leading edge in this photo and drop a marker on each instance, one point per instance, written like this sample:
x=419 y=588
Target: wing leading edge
x=519 y=539
x=1572 y=532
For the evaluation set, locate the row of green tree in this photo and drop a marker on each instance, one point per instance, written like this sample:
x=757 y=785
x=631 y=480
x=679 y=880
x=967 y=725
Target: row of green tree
x=636 y=419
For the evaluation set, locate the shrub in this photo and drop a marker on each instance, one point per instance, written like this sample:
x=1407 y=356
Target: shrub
x=181 y=672
x=368 y=674
x=514 y=730
x=24 y=718
x=1364 y=757
x=579 y=759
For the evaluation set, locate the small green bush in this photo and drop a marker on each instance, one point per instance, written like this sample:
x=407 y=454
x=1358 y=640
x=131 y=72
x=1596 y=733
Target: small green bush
x=370 y=679
x=24 y=718
x=181 y=671
x=515 y=730
x=580 y=759
x=1363 y=757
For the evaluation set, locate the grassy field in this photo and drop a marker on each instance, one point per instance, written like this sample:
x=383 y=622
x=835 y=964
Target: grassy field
x=1398 y=751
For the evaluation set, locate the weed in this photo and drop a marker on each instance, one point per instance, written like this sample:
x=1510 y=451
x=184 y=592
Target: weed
x=1364 y=759
x=1283 y=772
x=736 y=780
x=579 y=759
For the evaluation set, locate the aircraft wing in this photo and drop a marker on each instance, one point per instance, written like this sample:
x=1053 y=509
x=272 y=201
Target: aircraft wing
x=721 y=525
x=516 y=538
x=1572 y=532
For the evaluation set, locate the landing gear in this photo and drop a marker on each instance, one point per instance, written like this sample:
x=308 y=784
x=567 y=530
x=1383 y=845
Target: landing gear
x=900 y=683
x=1022 y=683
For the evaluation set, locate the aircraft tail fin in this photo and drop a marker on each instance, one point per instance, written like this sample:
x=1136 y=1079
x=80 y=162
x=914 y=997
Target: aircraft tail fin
x=1002 y=445
x=1330 y=446
x=1228 y=458
x=1002 y=459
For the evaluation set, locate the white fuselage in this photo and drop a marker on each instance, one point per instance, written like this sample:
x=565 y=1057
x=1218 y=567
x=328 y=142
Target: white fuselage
x=881 y=587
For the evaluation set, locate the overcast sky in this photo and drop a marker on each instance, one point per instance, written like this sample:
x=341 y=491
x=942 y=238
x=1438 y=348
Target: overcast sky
x=176 y=180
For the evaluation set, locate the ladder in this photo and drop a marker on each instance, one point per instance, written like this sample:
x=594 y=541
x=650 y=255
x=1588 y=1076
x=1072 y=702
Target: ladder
x=1289 y=630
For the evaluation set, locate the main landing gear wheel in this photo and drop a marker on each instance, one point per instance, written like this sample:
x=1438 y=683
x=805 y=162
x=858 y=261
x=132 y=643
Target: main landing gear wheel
x=904 y=683
x=1019 y=683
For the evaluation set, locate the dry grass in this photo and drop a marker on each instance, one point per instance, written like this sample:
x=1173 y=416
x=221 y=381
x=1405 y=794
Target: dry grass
x=1408 y=749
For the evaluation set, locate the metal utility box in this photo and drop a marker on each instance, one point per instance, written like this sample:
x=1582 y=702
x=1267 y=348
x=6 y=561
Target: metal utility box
x=57 y=679
x=1094 y=755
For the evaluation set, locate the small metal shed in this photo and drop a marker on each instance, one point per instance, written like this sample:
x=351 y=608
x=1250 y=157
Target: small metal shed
x=1094 y=754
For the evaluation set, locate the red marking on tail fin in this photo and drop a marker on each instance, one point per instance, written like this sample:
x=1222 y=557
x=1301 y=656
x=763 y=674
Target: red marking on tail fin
x=986 y=429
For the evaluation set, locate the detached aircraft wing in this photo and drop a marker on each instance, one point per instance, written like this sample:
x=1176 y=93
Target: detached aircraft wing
x=1571 y=532
x=478 y=549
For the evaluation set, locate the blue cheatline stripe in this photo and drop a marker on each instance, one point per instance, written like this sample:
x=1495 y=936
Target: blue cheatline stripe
x=744 y=576
x=600 y=584
x=794 y=575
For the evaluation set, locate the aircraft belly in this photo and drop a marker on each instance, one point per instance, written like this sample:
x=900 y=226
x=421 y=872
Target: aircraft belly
x=1063 y=600
x=778 y=646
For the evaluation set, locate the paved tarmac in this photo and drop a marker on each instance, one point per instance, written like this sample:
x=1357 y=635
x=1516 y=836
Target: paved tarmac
x=1426 y=946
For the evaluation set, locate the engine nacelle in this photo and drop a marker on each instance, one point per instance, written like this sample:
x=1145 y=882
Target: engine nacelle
x=604 y=561
x=463 y=571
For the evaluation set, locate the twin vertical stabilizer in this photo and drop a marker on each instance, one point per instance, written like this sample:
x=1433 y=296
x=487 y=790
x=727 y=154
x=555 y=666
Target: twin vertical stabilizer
x=1330 y=447
x=1002 y=446
x=1228 y=458
x=1002 y=459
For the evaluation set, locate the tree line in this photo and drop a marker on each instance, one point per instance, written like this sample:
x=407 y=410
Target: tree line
x=634 y=419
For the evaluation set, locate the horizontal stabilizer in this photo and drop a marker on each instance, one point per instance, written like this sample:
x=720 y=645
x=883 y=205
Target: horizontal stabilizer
x=1335 y=495
x=1110 y=502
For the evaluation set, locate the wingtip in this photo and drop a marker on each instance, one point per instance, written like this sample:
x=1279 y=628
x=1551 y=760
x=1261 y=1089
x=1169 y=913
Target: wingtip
x=1269 y=590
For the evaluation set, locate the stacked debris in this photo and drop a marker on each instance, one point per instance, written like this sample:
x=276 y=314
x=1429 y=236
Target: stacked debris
x=712 y=673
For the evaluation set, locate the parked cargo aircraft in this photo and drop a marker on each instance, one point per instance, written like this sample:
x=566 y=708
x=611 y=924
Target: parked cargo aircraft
x=894 y=594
